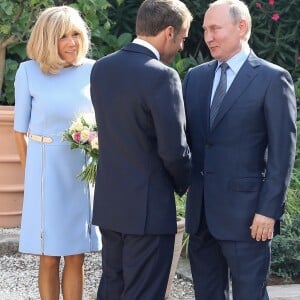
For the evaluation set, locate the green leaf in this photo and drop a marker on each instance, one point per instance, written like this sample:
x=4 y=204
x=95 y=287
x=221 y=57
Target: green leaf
x=5 y=29
x=124 y=38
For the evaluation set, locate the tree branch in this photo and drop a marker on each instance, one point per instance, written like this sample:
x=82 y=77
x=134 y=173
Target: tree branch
x=9 y=41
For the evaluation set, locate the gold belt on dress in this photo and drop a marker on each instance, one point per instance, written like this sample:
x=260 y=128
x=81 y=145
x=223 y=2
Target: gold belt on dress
x=40 y=138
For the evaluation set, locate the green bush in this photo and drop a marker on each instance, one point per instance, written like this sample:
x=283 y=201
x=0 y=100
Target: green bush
x=16 y=19
x=180 y=205
x=285 y=261
x=293 y=195
x=105 y=38
x=112 y=22
x=275 y=32
x=275 y=36
x=180 y=210
x=286 y=247
x=100 y=16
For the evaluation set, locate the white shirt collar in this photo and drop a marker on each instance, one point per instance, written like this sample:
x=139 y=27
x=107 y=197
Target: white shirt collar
x=147 y=45
x=236 y=62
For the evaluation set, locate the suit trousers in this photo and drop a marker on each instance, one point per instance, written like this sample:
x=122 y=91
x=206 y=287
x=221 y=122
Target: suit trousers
x=210 y=259
x=135 y=267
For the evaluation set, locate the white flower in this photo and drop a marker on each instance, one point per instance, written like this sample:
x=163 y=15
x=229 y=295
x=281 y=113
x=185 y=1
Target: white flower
x=90 y=119
x=94 y=143
x=76 y=126
x=84 y=135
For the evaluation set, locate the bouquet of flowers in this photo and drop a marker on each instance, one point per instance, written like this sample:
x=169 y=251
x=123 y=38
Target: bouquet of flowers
x=83 y=134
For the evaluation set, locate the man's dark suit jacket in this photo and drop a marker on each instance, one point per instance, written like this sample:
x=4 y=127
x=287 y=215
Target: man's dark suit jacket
x=143 y=154
x=242 y=165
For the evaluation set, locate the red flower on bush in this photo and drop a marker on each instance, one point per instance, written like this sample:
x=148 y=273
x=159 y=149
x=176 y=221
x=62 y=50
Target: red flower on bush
x=271 y=2
x=258 y=4
x=275 y=17
x=298 y=58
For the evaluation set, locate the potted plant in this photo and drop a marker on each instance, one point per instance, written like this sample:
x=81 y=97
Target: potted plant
x=16 y=19
x=180 y=239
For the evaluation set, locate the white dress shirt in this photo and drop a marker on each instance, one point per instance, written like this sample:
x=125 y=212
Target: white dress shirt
x=234 y=64
x=147 y=45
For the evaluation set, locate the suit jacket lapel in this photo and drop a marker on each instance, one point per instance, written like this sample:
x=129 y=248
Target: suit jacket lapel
x=242 y=80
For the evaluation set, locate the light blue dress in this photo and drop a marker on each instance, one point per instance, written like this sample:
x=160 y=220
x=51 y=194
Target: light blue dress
x=57 y=207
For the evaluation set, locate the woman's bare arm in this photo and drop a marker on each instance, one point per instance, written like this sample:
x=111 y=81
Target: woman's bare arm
x=21 y=140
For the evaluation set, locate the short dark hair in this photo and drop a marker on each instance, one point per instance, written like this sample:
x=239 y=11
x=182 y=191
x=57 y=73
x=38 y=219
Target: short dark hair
x=155 y=15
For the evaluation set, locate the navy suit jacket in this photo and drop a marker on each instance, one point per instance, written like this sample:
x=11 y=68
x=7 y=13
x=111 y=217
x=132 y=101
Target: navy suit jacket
x=242 y=165
x=143 y=153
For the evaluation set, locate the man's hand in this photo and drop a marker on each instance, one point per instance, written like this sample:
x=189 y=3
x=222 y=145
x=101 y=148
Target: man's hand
x=262 y=228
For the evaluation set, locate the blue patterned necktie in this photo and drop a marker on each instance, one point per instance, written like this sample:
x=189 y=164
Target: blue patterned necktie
x=219 y=93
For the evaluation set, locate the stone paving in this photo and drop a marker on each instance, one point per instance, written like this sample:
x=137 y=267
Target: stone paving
x=18 y=275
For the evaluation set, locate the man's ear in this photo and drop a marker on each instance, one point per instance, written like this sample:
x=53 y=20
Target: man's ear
x=169 y=31
x=243 y=27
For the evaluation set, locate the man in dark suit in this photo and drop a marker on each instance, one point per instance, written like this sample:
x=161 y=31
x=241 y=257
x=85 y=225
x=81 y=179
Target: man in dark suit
x=243 y=147
x=143 y=156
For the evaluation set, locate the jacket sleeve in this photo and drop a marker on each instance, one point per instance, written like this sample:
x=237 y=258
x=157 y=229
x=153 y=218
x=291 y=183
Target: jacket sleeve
x=280 y=115
x=167 y=109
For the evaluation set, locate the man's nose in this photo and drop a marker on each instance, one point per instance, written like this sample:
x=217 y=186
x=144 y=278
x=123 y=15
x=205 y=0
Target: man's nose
x=208 y=36
x=181 y=47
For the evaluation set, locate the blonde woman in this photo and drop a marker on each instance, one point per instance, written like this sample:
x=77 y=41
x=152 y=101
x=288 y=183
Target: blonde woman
x=51 y=89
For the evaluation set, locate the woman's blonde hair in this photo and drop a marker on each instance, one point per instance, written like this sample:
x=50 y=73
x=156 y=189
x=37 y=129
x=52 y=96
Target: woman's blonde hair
x=52 y=24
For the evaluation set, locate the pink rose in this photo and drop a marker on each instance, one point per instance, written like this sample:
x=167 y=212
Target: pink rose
x=76 y=137
x=258 y=4
x=298 y=58
x=275 y=17
x=92 y=136
x=271 y=2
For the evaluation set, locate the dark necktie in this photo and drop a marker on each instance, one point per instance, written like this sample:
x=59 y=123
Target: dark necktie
x=219 y=93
